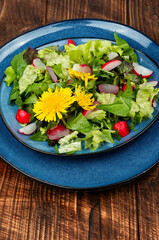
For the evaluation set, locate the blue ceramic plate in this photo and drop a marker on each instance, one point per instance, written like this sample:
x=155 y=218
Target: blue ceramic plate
x=88 y=171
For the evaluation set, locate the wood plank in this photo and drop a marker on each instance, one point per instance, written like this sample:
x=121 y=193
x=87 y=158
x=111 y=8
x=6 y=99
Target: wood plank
x=71 y=9
x=14 y=203
x=144 y=16
x=17 y=17
x=108 y=10
x=53 y=213
x=118 y=213
x=148 y=205
x=65 y=9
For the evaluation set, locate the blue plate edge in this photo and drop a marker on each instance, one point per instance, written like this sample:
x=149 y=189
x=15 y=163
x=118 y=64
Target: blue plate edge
x=108 y=186
x=99 y=188
x=80 y=19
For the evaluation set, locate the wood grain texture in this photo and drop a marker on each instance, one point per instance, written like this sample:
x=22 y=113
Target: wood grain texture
x=144 y=16
x=63 y=10
x=17 y=17
x=147 y=21
x=147 y=205
x=30 y=210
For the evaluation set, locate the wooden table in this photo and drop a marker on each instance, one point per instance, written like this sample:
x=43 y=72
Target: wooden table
x=31 y=210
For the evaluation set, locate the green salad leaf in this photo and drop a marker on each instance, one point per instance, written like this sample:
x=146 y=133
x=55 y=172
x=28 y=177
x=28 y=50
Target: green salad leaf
x=10 y=75
x=79 y=123
x=18 y=64
x=122 y=103
x=30 y=75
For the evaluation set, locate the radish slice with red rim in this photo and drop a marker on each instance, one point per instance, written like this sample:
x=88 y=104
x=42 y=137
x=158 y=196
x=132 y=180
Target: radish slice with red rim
x=59 y=135
x=153 y=83
x=108 y=66
x=108 y=88
x=38 y=63
x=52 y=74
x=154 y=103
x=57 y=132
x=29 y=129
x=141 y=71
x=70 y=41
x=82 y=68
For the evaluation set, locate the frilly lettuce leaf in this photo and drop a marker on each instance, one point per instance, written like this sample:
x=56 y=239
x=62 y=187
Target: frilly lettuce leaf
x=105 y=98
x=95 y=138
x=44 y=51
x=70 y=143
x=85 y=53
x=99 y=115
x=143 y=105
x=10 y=75
x=53 y=59
x=30 y=75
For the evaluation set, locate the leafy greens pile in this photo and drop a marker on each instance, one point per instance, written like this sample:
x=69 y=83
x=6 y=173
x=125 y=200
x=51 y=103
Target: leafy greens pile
x=96 y=128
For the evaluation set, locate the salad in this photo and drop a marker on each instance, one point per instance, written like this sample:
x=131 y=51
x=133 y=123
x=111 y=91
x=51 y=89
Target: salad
x=83 y=96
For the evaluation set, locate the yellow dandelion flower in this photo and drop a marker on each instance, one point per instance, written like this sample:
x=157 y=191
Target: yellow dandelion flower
x=81 y=76
x=52 y=104
x=84 y=99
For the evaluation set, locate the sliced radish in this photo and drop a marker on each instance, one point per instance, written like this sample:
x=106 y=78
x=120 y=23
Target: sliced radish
x=29 y=129
x=70 y=41
x=153 y=83
x=38 y=63
x=87 y=112
x=23 y=116
x=52 y=74
x=82 y=68
x=112 y=55
x=57 y=132
x=124 y=87
x=141 y=71
x=70 y=81
x=154 y=103
x=108 y=66
x=122 y=127
x=108 y=88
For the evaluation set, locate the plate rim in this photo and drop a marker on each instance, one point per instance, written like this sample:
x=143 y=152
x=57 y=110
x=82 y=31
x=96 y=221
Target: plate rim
x=79 y=19
x=84 y=189
x=87 y=188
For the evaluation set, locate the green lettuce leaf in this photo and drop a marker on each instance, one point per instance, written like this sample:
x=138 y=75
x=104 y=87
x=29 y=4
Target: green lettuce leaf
x=70 y=143
x=122 y=103
x=95 y=138
x=143 y=104
x=79 y=123
x=44 y=51
x=99 y=115
x=70 y=147
x=10 y=75
x=30 y=75
x=105 y=98
x=59 y=61
x=86 y=53
x=18 y=64
x=127 y=52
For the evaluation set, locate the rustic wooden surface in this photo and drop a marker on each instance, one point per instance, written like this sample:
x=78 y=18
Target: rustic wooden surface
x=30 y=210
